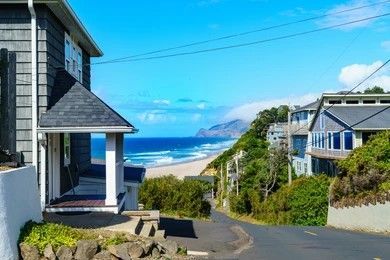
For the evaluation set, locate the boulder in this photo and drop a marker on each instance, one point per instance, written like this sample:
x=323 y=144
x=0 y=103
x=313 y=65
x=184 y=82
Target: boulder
x=156 y=253
x=120 y=251
x=49 y=253
x=29 y=252
x=86 y=249
x=64 y=253
x=148 y=246
x=135 y=250
x=104 y=255
x=169 y=246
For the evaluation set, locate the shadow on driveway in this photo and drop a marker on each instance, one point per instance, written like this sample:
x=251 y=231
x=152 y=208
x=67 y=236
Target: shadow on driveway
x=178 y=227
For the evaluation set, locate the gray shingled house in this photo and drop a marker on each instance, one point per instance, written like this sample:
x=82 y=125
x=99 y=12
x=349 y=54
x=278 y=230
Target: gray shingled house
x=49 y=111
x=342 y=123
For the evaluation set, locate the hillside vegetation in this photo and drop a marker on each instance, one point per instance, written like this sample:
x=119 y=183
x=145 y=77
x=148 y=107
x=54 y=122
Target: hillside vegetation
x=364 y=175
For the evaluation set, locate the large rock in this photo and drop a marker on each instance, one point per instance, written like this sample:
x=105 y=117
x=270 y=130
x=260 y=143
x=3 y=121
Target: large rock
x=29 y=252
x=64 y=253
x=169 y=246
x=49 y=253
x=135 y=250
x=156 y=253
x=120 y=251
x=104 y=255
x=86 y=249
x=148 y=246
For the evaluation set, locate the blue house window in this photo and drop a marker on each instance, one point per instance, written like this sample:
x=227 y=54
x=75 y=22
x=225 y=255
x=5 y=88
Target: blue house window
x=329 y=140
x=322 y=140
x=336 y=141
x=348 y=140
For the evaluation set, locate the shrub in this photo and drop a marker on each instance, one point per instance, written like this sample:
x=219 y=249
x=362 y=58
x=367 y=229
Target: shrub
x=174 y=196
x=305 y=202
x=365 y=173
x=42 y=234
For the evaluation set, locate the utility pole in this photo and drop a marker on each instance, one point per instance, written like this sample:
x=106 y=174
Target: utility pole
x=222 y=186
x=289 y=158
x=237 y=173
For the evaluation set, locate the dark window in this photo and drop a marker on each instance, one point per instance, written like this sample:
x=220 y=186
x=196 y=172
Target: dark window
x=333 y=102
x=336 y=141
x=348 y=142
x=322 y=140
x=369 y=101
x=385 y=101
x=329 y=140
x=352 y=102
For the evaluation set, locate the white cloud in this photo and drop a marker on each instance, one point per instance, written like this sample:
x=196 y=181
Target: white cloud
x=201 y=105
x=248 y=111
x=162 y=102
x=196 y=117
x=352 y=75
x=386 y=45
x=345 y=17
x=156 y=116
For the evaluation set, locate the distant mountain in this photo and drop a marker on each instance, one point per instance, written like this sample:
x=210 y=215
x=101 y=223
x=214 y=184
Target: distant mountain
x=230 y=129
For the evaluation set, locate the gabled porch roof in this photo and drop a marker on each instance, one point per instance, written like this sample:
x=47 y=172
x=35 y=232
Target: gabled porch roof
x=79 y=111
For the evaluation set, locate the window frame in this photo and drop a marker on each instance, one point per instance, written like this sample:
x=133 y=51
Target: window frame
x=67 y=149
x=352 y=141
x=73 y=63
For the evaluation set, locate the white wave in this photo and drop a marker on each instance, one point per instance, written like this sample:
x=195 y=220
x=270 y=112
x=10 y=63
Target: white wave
x=164 y=161
x=150 y=153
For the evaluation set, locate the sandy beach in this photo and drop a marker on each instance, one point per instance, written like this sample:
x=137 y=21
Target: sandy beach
x=180 y=170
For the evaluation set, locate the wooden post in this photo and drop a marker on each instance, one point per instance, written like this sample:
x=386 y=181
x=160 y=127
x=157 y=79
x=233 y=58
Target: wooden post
x=8 y=101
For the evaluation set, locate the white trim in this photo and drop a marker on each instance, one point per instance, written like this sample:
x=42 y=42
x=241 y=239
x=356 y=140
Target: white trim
x=42 y=175
x=103 y=129
x=34 y=83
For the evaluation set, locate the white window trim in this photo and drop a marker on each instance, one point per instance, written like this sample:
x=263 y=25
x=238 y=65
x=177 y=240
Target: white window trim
x=75 y=51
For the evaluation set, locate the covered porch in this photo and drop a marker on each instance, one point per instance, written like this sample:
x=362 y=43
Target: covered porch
x=103 y=189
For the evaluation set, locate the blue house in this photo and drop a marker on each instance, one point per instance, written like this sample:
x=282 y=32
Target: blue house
x=342 y=123
x=299 y=129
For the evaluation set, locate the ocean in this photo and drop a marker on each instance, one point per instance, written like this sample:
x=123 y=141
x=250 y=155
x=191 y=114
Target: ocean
x=152 y=152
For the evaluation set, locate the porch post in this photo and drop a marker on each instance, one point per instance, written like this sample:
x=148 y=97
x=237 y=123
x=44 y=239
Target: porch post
x=111 y=170
x=42 y=172
x=119 y=162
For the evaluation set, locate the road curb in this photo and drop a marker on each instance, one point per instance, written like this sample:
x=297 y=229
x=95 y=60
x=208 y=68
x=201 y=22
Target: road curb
x=244 y=240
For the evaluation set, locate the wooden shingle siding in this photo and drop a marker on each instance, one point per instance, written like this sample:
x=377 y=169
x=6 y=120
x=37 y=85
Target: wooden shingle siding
x=15 y=35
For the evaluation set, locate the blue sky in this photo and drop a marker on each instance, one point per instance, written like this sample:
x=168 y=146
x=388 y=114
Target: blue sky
x=177 y=96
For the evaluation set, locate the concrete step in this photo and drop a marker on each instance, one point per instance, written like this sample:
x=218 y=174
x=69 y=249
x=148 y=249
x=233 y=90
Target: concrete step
x=159 y=233
x=147 y=230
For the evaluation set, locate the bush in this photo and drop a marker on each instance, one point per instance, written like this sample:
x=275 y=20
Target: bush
x=42 y=234
x=174 y=196
x=365 y=173
x=305 y=202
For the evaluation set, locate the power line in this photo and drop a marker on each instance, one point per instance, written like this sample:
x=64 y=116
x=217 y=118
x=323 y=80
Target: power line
x=346 y=94
x=247 y=43
x=248 y=32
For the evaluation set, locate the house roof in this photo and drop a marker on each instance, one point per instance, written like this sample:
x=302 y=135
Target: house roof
x=352 y=115
x=68 y=17
x=342 y=95
x=310 y=106
x=79 y=110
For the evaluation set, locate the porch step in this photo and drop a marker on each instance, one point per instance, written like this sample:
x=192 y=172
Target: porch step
x=147 y=230
x=136 y=226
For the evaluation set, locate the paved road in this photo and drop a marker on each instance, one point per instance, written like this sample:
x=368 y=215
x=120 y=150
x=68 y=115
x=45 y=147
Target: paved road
x=287 y=242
